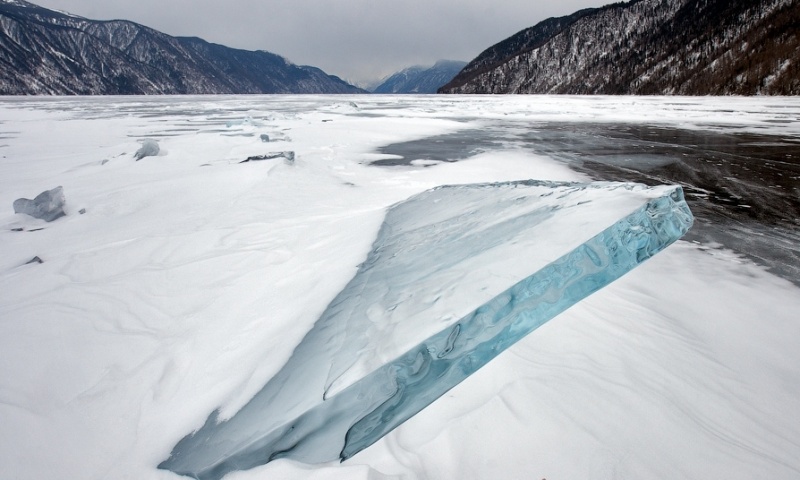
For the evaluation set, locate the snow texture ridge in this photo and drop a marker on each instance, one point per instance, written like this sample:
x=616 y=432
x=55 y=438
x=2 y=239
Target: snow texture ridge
x=289 y=419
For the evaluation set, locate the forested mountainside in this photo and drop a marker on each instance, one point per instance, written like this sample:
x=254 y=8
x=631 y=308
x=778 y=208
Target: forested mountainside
x=421 y=79
x=647 y=47
x=48 y=52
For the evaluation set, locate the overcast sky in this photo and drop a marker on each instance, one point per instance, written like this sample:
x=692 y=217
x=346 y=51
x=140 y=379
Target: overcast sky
x=358 y=40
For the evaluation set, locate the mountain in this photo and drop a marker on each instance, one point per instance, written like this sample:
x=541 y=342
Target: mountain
x=48 y=52
x=649 y=47
x=421 y=79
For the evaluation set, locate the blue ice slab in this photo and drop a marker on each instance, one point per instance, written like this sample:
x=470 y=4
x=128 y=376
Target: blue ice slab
x=349 y=419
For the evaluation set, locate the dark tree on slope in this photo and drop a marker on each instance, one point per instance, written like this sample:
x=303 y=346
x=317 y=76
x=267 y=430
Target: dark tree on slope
x=523 y=41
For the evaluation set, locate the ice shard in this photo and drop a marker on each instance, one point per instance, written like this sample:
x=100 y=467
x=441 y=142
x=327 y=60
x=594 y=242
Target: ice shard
x=457 y=275
x=48 y=205
x=149 y=148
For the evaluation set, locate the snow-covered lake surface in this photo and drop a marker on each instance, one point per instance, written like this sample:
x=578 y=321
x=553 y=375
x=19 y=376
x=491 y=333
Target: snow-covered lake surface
x=191 y=277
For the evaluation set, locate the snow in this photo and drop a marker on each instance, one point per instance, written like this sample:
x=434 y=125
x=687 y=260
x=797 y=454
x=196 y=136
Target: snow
x=190 y=279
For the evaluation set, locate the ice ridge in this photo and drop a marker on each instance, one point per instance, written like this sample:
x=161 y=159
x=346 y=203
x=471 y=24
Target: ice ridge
x=277 y=424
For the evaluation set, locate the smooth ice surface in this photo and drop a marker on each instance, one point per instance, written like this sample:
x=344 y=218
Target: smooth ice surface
x=190 y=280
x=437 y=240
x=47 y=206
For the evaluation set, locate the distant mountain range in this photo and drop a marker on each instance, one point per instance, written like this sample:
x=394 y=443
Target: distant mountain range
x=645 y=47
x=421 y=79
x=48 y=52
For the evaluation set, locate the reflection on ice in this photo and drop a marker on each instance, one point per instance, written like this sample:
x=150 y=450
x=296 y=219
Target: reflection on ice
x=529 y=249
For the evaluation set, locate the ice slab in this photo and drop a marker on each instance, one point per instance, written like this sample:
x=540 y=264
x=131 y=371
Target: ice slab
x=456 y=275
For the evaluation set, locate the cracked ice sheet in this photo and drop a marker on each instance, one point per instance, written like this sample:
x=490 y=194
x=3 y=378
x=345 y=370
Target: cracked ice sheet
x=149 y=311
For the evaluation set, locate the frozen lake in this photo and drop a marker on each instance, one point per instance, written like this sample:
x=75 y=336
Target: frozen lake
x=744 y=187
x=190 y=277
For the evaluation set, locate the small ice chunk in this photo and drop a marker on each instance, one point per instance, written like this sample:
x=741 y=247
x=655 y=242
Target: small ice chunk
x=149 y=148
x=48 y=205
x=264 y=138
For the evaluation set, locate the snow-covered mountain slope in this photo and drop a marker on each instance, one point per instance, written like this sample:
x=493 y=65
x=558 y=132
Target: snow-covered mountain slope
x=685 y=47
x=421 y=79
x=47 y=52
